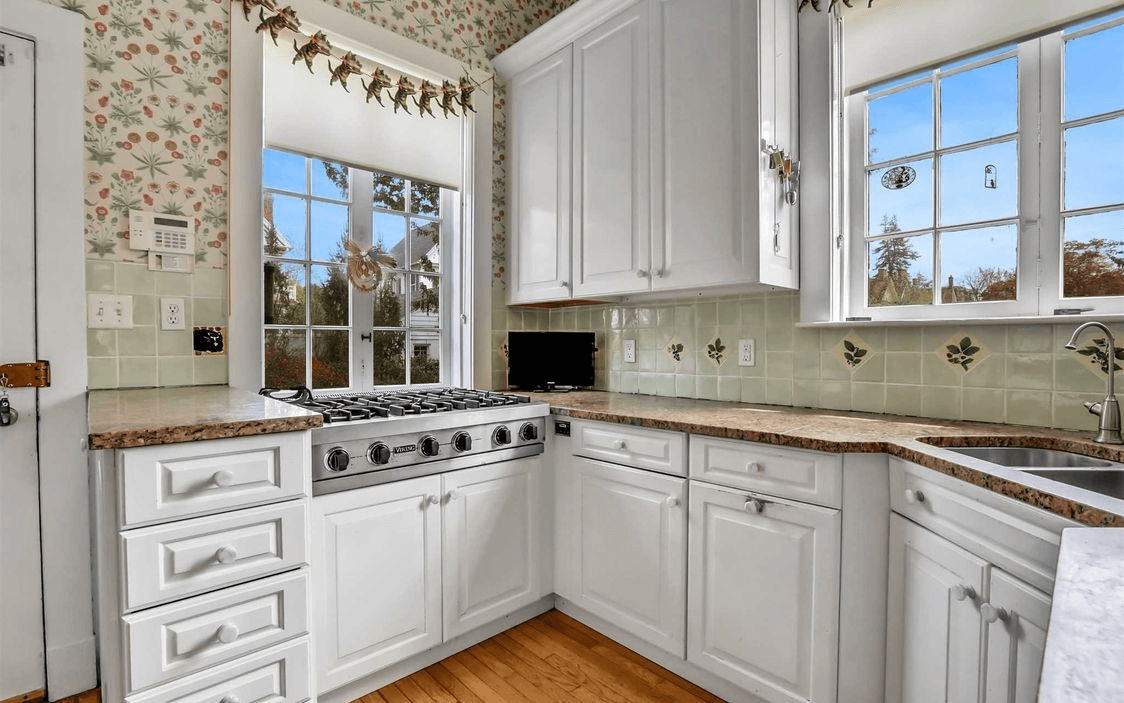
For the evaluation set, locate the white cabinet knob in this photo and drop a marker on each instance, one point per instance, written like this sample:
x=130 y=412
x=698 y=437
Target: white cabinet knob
x=564 y=284
x=230 y=698
x=658 y=273
x=223 y=478
x=672 y=501
x=755 y=505
x=619 y=445
x=641 y=273
x=451 y=495
x=228 y=632
x=432 y=500
x=755 y=467
x=960 y=592
x=992 y=613
x=226 y=555
x=912 y=496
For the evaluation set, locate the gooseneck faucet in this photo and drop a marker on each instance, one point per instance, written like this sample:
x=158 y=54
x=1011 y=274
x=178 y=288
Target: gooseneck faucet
x=1108 y=431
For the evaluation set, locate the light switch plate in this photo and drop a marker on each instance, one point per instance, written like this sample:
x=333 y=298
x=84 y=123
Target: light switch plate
x=746 y=352
x=630 y=351
x=105 y=311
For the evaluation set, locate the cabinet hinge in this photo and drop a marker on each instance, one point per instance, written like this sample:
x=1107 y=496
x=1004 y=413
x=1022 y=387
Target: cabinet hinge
x=3 y=55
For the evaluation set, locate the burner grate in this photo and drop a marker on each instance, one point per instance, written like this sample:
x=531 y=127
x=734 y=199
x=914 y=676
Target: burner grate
x=346 y=407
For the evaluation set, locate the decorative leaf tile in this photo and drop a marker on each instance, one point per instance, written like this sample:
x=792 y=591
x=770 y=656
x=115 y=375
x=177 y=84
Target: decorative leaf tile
x=963 y=352
x=716 y=351
x=675 y=350
x=1094 y=357
x=852 y=351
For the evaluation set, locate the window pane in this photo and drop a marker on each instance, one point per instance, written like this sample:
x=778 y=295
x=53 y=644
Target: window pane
x=1094 y=255
x=425 y=199
x=425 y=294
x=390 y=192
x=283 y=293
x=980 y=103
x=425 y=362
x=330 y=350
x=979 y=264
x=1094 y=73
x=425 y=246
x=1094 y=164
x=901 y=271
x=900 y=124
x=389 y=235
x=329 y=231
x=284 y=171
x=980 y=184
x=388 y=299
x=895 y=209
x=286 y=214
x=329 y=295
x=329 y=180
x=284 y=358
x=389 y=358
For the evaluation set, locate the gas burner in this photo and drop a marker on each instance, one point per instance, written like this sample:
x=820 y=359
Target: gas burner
x=346 y=407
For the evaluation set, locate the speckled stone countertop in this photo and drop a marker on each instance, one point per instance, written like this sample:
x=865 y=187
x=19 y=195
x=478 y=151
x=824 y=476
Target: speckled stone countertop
x=914 y=439
x=144 y=416
x=1084 y=660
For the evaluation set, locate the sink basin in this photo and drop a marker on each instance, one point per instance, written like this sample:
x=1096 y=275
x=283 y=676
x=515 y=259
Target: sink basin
x=1030 y=457
x=1108 y=482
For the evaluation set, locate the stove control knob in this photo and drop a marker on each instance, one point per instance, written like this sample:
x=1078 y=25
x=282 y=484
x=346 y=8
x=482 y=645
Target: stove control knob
x=378 y=453
x=501 y=436
x=429 y=446
x=336 y=459
x=462 y=441
x=528 y=432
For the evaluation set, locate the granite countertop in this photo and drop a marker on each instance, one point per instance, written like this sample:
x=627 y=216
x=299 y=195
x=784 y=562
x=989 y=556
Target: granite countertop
x=144 y=416
x=914 y=439
x=1084 y=660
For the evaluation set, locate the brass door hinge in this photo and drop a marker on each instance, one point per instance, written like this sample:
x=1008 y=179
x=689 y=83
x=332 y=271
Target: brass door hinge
x=31 y=374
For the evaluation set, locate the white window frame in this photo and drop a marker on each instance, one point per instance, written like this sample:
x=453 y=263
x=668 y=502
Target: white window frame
x=464 y=354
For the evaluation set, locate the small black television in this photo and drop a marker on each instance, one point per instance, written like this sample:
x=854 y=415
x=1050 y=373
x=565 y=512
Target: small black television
x=545 y=360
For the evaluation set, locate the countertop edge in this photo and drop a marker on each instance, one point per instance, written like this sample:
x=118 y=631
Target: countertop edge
x=176 y=434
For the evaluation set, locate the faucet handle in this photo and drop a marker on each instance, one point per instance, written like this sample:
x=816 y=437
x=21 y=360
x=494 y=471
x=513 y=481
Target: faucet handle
x=1094 y=408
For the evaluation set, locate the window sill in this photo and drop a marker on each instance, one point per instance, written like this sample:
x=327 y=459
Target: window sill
x=959 y=321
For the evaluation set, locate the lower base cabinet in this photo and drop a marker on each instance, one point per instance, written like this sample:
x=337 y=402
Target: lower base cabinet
x=389 y=560
x=763 y=604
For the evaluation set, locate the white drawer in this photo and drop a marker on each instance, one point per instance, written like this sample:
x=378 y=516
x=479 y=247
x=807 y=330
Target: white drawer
x=172 y=481
x=281 y=674
x=1021 y=539
x=190 y=635
x=657 y=450
x=799 y=474
x=191 y=556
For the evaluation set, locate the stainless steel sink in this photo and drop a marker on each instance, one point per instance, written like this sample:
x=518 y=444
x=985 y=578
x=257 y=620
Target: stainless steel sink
x=1032 y=458
x=1108 y=482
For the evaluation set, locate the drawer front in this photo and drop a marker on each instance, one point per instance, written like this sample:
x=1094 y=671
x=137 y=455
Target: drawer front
x=281 y=674
x=190 y=635
x=657 y=450
x=811 y=477
x=1019 y=538
x=183 y=558
x=169 y=482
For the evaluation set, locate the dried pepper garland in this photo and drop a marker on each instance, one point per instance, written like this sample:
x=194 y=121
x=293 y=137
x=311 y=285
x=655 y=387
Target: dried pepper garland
x=448 y=96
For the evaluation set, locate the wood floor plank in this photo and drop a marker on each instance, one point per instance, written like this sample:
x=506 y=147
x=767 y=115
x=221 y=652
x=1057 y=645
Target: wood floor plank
x=410 y=688
x=497 y=683
x=432 y=688
x=459 y=689
x=393 y=694
x=540 y=675
x=515 y=678
x=478 y=686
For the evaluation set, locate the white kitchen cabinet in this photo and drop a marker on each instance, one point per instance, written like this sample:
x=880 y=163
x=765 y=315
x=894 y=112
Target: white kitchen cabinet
x=626 y=561
x=539 y=149
x=612 y=189
x=1016 y=639
x=377 y=566
x=763 y=593
x=492 y=561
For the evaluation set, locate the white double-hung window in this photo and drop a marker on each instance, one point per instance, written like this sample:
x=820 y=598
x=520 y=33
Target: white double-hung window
x=992 y=185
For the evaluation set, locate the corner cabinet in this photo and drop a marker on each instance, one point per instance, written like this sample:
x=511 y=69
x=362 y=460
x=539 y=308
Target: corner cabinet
x=636 y=133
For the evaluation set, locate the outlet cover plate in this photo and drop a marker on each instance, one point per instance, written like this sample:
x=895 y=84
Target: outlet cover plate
x=171 y=314
x=629 y=352
x=747 y=352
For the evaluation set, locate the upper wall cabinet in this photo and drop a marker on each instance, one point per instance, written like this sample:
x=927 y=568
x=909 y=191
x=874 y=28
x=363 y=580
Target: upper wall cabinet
x=660 y=182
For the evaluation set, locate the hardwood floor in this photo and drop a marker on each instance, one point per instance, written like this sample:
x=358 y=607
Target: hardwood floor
x=550 y=659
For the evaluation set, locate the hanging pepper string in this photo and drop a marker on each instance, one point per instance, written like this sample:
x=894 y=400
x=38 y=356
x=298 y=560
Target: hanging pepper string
x=402 y=92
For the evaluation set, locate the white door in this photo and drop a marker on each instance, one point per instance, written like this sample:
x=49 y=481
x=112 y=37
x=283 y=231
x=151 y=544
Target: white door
x=612 y=192
x=1016 y=640
x=22 y=667
x=492 y=559
x=541 y=135
x=933 y=621
x=631 y=561
x=376 y=563
x=763 y=609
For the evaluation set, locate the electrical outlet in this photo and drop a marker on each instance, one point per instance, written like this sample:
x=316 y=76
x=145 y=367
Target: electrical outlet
x=105 y=311
x=171 y=314
x=630 y=351
x=746 y=349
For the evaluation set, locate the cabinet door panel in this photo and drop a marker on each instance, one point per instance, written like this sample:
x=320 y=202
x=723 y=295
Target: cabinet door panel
x=632 y=550
x=611 y=140
x=932 y=639
x=378 y=562
x=541 y=134
x=492 y=558
x=764 y=594
x=1016 y=643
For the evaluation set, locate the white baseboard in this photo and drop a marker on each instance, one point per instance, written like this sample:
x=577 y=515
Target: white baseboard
x=72 y=668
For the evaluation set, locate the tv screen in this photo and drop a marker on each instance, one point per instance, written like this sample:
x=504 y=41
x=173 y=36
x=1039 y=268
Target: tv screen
x=535 y=359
